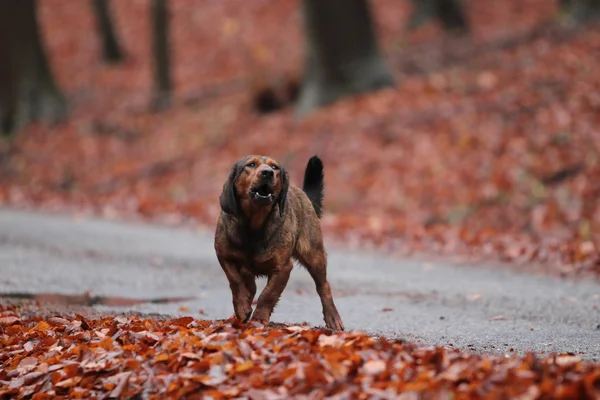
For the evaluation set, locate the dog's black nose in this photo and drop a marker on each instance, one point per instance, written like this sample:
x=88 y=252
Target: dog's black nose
x=267 y=173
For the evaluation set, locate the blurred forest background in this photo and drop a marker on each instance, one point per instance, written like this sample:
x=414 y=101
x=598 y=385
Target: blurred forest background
x=461 y=128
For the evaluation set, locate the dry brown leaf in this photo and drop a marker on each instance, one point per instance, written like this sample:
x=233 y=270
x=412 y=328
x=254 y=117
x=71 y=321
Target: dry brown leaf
x=374 y=367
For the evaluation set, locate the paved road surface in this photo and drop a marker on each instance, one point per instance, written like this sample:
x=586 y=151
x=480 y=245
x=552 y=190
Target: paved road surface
x=482 y=309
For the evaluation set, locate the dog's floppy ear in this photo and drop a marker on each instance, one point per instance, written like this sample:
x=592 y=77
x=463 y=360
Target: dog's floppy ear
x=228 y=198
x=285 y=185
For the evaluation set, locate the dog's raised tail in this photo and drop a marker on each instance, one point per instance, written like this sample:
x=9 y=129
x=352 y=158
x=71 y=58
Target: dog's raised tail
x=313 y=183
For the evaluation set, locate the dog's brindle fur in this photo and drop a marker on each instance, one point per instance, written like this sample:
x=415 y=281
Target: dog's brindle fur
x=261 y=237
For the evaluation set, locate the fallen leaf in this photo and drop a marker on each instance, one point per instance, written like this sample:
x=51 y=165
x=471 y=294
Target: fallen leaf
x=27 y=364
x=373 y=367
x=122 y=378
x=9 y=320
x=564 y=360
x=245 y=366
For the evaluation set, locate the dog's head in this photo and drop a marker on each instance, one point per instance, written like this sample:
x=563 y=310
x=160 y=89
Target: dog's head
x=254 y=181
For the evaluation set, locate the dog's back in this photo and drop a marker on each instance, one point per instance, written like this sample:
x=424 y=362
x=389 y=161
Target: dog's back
x=313 y=183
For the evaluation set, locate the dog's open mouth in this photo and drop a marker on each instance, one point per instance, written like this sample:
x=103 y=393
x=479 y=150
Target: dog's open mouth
x=262 y=193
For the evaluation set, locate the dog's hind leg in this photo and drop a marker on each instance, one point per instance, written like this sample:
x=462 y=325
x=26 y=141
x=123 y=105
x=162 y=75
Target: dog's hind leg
x=315 y=261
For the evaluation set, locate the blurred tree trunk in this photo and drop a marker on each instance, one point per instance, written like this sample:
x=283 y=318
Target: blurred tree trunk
x=342 y=56
x=27 y=89
x=162 y=74
x=111 y=51
x=581 y=10
x=449 y=12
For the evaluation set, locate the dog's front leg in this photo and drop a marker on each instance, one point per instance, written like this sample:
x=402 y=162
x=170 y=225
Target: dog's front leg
x=272 y=292
x=243 y=288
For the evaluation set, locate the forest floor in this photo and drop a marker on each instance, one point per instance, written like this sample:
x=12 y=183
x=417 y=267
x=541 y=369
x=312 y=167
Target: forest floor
x=118 y=357
x=486 y=149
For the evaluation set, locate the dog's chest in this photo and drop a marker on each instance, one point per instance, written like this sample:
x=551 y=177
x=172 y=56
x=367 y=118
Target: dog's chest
x=258 y=252
x=251 y=246
x=259 y=261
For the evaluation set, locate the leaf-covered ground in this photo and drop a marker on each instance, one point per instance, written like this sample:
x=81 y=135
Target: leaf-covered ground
x=488 y=148
x=120 y=357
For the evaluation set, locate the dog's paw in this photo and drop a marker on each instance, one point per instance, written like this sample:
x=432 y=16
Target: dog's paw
x=247 y=318
x=243 y=313
x=260 y=317
x=334 y=322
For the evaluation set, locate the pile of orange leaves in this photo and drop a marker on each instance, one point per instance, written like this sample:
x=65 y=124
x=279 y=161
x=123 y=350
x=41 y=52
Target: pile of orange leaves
x=120 y=357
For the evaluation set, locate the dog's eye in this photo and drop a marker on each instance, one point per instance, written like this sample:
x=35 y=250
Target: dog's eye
x=251 y=165
x=275 y=167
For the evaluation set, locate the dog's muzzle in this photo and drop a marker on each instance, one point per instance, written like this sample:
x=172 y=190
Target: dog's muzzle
x=263 y=194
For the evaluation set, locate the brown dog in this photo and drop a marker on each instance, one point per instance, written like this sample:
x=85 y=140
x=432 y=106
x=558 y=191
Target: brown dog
x=264 y=223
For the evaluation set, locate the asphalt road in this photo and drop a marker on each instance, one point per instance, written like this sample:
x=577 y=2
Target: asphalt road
x=483 y=309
